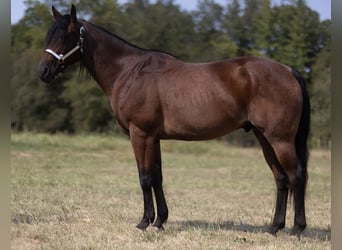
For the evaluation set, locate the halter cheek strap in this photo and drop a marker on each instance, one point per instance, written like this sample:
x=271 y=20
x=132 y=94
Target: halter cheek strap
x=60 y=57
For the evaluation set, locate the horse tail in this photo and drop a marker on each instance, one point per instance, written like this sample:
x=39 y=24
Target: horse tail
x=301 y=140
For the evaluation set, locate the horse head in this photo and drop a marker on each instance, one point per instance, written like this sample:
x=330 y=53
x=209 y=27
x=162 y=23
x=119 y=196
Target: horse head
x=63 y=45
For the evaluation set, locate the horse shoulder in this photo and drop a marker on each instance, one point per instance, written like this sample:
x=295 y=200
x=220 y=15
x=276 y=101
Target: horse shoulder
x=137 y=102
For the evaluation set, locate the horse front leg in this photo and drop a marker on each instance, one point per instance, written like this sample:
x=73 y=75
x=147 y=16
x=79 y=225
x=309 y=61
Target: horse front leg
x=143 y=147
x=162 y=210
x=146 y=186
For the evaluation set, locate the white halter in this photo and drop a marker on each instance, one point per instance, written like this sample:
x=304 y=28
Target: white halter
x=61 y=57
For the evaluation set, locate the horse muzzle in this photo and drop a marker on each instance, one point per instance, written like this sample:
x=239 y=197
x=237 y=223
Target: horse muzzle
x=46 y=74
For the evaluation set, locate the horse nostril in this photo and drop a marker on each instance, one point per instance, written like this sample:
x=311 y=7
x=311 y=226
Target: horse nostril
x=46 y=71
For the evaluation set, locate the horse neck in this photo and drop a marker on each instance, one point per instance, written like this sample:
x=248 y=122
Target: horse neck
x=106 y=56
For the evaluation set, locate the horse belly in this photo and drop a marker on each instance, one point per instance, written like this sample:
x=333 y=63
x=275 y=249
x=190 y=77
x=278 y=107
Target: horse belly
x=199 y=104
x=200 y=122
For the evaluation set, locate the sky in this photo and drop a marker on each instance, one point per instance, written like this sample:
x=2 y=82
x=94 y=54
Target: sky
x=323 y=7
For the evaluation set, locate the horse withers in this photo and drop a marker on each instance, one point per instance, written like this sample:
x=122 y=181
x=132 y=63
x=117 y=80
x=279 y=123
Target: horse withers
x=156 y=96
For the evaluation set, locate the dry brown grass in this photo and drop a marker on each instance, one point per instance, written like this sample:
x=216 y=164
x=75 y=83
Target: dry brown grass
x=82 y=192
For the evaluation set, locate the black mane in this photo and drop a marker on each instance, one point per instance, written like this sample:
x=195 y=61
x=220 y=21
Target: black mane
x=113 y=35
x=125 y=41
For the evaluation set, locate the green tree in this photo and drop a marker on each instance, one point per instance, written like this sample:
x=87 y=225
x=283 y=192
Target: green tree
x=233 y=25
x=160 y=26
x=104 y=13
x=30 y=31
x=295 y=36
x=321 y=100
x=263 y=27
x=90 y=108
x=321 y=90
x=249 y=26
x=211 y=41
x=34 y=106
x=241 y=23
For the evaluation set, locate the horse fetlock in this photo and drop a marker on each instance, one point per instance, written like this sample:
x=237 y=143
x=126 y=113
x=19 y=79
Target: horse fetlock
x=161 y=219
x=144 y=223
x=159 y=223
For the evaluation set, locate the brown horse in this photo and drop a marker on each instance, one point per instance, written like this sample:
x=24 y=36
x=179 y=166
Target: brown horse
x=155 y=96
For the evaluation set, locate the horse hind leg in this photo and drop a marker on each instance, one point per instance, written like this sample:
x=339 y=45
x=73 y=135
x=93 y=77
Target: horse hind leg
x=298 y=186
x=281 y=180
x=287 y=160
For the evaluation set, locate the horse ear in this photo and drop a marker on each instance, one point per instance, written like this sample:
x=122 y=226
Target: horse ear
x=73 y=14
x=55 y=12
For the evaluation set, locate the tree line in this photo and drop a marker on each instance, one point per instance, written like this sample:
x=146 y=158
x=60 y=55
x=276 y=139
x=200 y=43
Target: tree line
x=290 y=33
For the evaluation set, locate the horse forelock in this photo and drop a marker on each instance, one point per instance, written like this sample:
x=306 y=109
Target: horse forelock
x=60 y=25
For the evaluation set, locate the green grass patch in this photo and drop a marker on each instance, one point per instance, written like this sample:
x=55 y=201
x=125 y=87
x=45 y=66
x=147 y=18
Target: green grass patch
x=83 y=192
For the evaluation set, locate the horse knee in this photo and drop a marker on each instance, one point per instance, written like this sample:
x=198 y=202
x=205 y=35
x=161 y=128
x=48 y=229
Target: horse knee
x=146 y=181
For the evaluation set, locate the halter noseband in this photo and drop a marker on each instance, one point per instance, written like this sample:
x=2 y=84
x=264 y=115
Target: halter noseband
x=60 y=57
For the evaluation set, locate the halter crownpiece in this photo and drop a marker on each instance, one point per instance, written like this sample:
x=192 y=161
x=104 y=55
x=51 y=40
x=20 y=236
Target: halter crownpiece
x=60 y=57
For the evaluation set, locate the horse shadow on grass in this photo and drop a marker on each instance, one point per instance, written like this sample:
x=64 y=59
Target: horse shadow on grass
x=320 y=234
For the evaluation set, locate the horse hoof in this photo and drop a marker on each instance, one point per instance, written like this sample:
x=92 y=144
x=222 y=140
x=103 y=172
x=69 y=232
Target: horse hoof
x=158 y=227
x=143 y=225
x=296 y=231
x=158 y=224
x=273 y=230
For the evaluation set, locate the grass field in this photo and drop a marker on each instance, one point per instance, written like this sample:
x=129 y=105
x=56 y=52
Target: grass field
x=82 y=192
